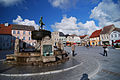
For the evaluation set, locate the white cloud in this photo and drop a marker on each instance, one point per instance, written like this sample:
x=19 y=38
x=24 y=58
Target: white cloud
x=70 y=26
x=88 y=27
x=107 y=12
x=63 y=4
x=10 y=2
x=28 y=22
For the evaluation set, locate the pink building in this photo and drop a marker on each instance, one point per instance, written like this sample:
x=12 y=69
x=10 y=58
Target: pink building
x=23 y=33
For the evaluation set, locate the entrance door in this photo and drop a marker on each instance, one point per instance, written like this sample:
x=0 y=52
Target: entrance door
x=24 y=45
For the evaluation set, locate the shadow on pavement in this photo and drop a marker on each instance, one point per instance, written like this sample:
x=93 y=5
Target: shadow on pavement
x=1 y=71
x=85 y=77
x=102 y=54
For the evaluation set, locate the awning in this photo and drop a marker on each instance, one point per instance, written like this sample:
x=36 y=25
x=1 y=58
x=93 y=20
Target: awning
x=117 y=41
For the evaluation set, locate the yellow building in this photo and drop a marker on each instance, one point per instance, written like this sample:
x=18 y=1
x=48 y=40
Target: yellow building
x=95 y=38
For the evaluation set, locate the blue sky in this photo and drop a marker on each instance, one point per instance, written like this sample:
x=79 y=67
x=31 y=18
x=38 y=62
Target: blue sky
x=68 y=16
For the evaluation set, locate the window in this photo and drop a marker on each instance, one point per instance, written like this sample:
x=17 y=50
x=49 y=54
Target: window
x=115 y=35
x=107 y=37
x=14 y=32
x=112 y=36
x=18 y=37
x=119 y=35
x=18 y=32
x=23 y=38
x=29 y=32
x=23 y=32
x=29 y=38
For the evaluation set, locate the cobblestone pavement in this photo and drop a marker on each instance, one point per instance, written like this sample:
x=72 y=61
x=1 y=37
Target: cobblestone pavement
x=97 y=66
x=110 y=65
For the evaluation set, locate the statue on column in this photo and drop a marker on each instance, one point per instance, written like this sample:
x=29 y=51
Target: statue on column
x=41 y=23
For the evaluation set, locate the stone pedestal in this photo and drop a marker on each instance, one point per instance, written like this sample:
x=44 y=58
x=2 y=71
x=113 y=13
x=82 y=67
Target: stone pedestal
x=48 y=59
x=47 y=46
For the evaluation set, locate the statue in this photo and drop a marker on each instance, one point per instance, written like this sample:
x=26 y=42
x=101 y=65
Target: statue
x=41 y=22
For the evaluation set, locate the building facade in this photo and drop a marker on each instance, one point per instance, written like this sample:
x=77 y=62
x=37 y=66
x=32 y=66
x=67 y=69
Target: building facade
x=73 y=39
x=84 y=40
x=115 y=37
x=5 y=36
x=58 y=37
x=95 y=38
x=23 y=33
x=105 y=34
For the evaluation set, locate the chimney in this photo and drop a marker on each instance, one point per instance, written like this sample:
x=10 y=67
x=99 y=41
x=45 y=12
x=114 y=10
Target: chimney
x=6 y=23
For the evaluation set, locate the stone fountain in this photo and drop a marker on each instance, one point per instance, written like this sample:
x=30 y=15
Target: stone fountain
x=45 y=55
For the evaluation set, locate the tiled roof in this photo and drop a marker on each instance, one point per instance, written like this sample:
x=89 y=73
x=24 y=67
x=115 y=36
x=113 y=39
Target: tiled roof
x=5 y=29
x=117 y=29
x=96 y=33
x=22 y=27
x=67 y=35
x=73 y=35
x=83 y=36
x=61 y=34
x=107 y=29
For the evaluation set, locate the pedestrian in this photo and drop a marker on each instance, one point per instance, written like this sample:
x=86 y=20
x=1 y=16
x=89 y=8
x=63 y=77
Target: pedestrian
x=73 y=49
x=85 y=77
x=105 y=50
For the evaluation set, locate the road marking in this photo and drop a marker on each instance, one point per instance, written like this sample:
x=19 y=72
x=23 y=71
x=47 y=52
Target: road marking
x=96 y=71
x=43 y=73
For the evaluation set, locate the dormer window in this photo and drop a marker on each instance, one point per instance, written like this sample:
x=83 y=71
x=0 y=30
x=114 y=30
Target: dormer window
x=6 y=24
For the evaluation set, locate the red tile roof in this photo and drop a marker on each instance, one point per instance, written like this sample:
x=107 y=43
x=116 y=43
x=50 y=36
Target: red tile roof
x=107 y=29
x=5 y=29
x=73 y=35
x=22 y=27
x=117 y=29
x=83 y=36
x=96 y=33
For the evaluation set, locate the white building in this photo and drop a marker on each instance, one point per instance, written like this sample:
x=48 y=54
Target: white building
x=77 y=39
x=58 y=37
x=70 y=39
x=84 y=40
x=114 y=36
x=105 y=33
x=73 y=39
